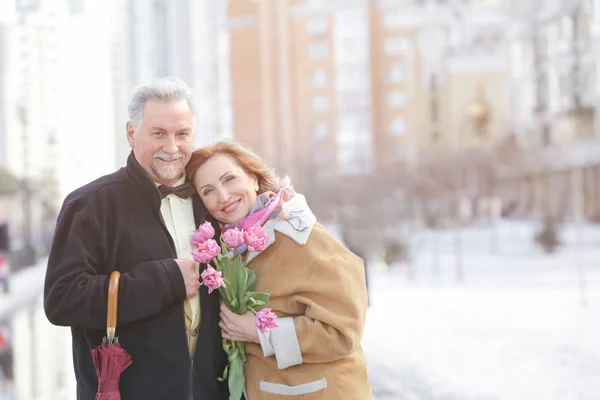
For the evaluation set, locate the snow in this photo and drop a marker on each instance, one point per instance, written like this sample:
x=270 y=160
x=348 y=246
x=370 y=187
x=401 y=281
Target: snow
x=515 y=330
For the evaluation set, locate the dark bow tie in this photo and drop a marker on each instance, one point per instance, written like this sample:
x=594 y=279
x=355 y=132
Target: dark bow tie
x=184 y=191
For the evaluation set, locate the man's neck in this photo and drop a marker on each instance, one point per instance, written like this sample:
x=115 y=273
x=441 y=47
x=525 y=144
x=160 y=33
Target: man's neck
x=178 y=182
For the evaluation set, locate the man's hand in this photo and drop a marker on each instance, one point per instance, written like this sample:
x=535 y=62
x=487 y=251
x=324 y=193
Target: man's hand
x=191 y=276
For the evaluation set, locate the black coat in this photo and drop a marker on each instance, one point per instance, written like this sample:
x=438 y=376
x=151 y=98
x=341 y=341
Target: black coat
x=114 y=223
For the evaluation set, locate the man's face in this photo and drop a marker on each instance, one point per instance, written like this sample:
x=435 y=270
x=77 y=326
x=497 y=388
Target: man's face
x=163 y=141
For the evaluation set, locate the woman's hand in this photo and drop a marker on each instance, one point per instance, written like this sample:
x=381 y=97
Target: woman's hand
x=239 y=328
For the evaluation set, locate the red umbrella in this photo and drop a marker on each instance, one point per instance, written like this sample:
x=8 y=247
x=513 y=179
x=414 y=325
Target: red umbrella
x=109 y=358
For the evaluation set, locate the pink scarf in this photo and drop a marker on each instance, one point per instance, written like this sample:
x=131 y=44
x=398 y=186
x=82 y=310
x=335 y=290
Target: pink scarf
x=266 y=207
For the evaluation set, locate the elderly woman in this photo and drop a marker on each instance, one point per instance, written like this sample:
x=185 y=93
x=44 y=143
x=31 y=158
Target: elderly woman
x=317 y=286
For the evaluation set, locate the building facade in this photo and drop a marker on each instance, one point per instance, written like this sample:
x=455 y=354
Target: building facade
x=326 y=89
x=555 y=64
x=442 y=73
x=554 y=70
x=57 y=110
x=186 y=39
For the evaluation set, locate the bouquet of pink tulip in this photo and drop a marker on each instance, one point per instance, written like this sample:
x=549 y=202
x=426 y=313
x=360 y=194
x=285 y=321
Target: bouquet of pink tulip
x=236 y=284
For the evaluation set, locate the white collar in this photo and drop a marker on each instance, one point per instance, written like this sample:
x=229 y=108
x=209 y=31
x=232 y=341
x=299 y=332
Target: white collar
x=297 y=225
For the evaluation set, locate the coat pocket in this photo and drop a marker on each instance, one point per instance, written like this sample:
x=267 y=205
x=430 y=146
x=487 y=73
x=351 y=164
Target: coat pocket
x=307 y=391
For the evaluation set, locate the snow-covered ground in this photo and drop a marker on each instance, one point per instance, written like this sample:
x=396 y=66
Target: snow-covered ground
x=515 y=330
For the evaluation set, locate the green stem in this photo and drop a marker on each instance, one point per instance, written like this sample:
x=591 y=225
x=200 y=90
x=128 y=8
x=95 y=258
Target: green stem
x=227 y=289
x=242 y=350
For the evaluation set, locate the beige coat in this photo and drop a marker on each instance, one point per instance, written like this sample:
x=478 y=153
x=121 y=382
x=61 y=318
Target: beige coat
x=315 y=353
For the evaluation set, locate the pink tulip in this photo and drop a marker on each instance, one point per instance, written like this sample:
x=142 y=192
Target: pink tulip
x=233 y=238
x=265 y=320
x=202 y=234
x=211 y=278
x=256 y=238
x=206 y=251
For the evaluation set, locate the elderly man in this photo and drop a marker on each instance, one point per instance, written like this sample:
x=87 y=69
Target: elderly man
x=138 y=221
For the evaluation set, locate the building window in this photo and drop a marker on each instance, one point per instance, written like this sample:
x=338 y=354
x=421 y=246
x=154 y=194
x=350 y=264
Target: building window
x=353 y=102
x=27 y=6
x=351 y=77
x=566 y=92
x=546 y=135
x=440 y=2
x=77 y=6
x=242 y=22
x=397 y=99
x=320 y=131
x=351 y=21
x=318 y=77
x=392 y=20
x=319 y=103
x=396 y=46
x=354 y=159
x=396 y=73
x=321 y=156
x=398 y=127
x=399 y=152
x=352 y=49
x=318 y=51
x=566 y=27
x=353 y=125
x=317 y=26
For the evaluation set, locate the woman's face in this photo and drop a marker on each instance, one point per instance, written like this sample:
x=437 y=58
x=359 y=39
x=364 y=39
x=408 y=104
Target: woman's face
x=227 y=191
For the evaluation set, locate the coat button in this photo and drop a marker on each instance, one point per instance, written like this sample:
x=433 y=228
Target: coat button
x=195 y=332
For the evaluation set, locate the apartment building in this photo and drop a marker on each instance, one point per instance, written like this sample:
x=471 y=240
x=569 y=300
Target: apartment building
x=301 y=89
x=554 y=77
x=187 y=39
x=352 y=87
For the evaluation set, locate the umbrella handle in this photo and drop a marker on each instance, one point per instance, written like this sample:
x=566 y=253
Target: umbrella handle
x=111 y=312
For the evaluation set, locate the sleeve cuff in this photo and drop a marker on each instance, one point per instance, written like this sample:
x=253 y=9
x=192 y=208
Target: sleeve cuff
x=265 y=343
x=175 y=278
x=285 y=344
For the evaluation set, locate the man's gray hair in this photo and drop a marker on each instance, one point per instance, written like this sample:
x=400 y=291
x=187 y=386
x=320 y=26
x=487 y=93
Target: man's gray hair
x=165 y=89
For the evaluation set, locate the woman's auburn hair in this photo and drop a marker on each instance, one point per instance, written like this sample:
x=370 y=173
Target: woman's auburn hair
x=248 y=160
